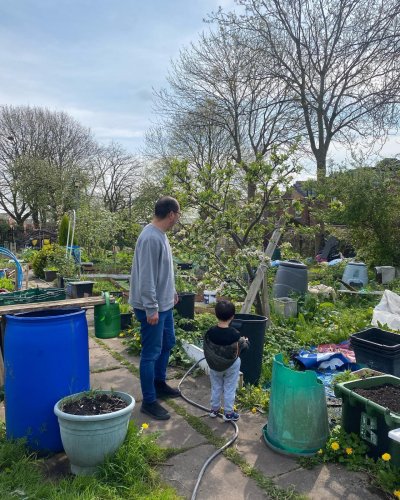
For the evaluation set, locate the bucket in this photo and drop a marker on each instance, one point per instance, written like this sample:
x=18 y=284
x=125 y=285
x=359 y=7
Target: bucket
x=385 y=274
x=107 y=319
x=46 y=357
x=185 y=306
x=253 y=327
x=210 y=296
x=291 y=277
x=355 y=273
x=285 y=306
x=298 y=416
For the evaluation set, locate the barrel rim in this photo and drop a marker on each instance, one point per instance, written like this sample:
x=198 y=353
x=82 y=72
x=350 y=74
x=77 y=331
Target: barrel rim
x=24 y=316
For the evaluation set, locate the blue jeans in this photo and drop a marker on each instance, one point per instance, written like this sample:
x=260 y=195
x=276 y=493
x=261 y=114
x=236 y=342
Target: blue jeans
x=157 y=342
x=224 y=384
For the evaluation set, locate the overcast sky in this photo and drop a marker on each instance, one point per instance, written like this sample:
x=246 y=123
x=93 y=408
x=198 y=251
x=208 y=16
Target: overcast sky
x=95 y=59
x=99 y=59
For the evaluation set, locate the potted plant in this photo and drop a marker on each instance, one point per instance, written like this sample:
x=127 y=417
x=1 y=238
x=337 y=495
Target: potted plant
x=185 y=284
x=93 y=425
x=126 y=314
x=50 y=273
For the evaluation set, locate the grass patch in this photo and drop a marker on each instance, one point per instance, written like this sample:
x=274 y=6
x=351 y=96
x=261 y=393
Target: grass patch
x=119 y=357
x=129 y=474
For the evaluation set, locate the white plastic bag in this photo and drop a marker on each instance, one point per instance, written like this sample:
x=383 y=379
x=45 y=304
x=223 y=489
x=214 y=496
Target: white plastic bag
x=387 y=312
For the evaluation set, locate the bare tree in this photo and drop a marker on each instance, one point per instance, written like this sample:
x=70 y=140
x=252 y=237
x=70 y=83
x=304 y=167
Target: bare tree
x=38 y=146
x=222 y=106
x=115 y=176
x=339 y=58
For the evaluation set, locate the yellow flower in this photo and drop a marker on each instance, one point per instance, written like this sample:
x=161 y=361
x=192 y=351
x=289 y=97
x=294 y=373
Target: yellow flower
x=121 y=335
x=320 y=452
x=386 y=457
x=234 y=407
x=145 y=426
x=396 y=493
x=349 y=451
x=335 y=446
x=254 y=410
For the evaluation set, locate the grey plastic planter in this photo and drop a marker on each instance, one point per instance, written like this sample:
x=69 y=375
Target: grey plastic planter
x=87 y=440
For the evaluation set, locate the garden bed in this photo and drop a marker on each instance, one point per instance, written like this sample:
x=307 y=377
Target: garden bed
x=386 y=395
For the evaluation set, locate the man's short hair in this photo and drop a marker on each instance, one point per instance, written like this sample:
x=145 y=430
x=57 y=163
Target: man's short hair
x=224 y=310
x=164 y=206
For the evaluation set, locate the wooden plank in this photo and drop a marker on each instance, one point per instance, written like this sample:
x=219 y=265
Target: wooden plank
x=259 y=277
x=36 y=306
x=361 y=294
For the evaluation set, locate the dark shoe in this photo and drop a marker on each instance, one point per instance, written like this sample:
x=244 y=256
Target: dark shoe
x=164 y=390
x=231 y=417
x=155 y=410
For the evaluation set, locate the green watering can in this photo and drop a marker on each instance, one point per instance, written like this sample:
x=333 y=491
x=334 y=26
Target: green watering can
x=107 y=319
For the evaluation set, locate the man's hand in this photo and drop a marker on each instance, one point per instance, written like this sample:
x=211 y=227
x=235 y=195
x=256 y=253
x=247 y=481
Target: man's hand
x=176 y=299
x=153 y=319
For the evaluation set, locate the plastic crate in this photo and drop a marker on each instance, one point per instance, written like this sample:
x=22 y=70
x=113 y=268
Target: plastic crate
x=377 y=349
x=369 y=420
x=32 y=295
x=377 y=338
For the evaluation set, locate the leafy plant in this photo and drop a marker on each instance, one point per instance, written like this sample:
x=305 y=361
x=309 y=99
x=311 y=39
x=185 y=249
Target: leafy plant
x=103 y=286
x=42 y=259
x=253 y=398
x=7 y=284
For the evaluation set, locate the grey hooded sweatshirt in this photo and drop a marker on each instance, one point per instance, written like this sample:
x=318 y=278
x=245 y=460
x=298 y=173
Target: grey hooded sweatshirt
x=152 y=279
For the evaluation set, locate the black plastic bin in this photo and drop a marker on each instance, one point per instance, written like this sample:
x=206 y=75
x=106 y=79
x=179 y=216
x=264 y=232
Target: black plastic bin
x=253 y=327
x=185 y=306
x=377 y=349
x=80 y=289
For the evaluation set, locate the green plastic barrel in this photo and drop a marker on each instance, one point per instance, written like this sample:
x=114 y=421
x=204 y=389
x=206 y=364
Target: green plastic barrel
x=298 y=416
x=107 y=319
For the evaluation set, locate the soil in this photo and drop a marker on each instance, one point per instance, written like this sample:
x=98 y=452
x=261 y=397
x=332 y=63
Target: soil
x=94 y=404
x=386 y=395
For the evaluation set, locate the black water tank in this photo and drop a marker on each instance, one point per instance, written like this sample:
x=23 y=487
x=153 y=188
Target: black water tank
x=291 y=277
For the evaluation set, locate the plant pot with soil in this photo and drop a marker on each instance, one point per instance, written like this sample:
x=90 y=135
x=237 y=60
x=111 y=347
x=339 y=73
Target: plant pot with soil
x=125 y=310
x=93 y=425
x=50 y=274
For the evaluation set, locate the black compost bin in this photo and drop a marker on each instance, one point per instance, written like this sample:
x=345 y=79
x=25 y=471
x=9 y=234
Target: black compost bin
x=253 y=327
x=185 y=306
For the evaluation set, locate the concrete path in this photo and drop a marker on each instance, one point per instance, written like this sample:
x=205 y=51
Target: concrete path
x=249 y=470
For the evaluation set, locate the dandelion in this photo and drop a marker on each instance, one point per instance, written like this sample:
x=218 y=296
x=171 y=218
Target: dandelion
x=145 y=426
x=254 y=410
x=349 y=451
x=335 y=446
x=320 y=452
x=121 y=335
x=396 y=493
x=386 y=457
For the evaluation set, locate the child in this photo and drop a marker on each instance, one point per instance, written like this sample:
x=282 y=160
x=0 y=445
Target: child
x=222 y=345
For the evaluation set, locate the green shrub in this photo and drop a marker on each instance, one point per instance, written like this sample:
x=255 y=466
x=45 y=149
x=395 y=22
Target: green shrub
x=7 y=284
x=42 y=259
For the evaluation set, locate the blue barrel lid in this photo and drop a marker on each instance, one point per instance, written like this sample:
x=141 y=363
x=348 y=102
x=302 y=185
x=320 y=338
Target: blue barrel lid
x=46 y=314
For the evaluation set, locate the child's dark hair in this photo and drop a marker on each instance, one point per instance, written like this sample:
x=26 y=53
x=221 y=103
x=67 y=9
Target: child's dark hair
x=224 y=310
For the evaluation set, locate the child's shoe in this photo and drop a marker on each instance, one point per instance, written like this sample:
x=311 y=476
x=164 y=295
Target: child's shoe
x=214 y=413
x=231 y=417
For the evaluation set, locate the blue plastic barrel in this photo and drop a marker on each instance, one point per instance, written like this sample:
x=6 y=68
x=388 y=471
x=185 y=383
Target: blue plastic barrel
x=46 y=357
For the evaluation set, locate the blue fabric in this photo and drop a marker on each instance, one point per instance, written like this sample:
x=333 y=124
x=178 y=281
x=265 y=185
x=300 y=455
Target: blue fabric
x=323 y=360
x=157 y=342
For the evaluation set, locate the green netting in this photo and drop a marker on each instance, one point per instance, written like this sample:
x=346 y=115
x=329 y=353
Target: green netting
x=32 y=295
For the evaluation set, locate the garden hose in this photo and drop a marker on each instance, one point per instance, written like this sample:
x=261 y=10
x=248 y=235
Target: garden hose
x=220 y=450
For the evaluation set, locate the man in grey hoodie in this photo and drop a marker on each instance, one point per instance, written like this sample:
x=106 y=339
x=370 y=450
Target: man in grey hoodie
x=153 y=296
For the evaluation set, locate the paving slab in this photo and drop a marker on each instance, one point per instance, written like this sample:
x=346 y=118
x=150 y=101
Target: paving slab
x=252 y=446
x=119 y=380
x=329 y=482
x=173 y=433
x=222 y=479
x=99 y=359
